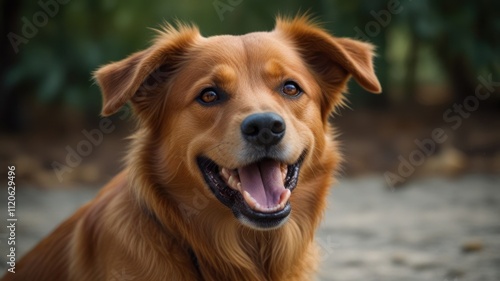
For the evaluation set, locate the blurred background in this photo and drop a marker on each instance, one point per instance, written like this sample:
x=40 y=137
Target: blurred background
x=436 y=123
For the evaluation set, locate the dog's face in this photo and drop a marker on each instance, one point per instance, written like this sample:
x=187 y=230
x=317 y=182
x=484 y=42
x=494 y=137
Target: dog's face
x=243 y=116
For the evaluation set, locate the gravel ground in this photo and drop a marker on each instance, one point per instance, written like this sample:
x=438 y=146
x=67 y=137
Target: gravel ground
x=432 y=230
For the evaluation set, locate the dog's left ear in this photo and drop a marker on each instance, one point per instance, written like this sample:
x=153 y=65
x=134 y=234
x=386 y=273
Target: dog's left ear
x=333 y=60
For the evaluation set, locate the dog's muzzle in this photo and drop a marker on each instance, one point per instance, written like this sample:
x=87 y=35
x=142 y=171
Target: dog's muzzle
x=258 y=191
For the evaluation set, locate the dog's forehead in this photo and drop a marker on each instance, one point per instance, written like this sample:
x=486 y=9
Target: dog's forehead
x=234 y=63
x=252 y=50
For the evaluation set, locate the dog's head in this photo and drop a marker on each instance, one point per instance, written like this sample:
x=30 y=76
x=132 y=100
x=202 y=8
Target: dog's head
x=245 y=117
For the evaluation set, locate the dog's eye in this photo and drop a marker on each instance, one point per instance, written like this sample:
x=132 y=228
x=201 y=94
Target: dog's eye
x=208 y=96
x=291 y=89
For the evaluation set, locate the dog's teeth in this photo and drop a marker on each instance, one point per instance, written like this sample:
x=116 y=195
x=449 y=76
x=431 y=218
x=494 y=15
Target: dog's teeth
x=284 y=170
x=239 y=186
x=231 y=177
x=284 y=197
x=225 y=173
x=258 y=207
x=282 y=204
x=276 y=208
x=252 y=203
x=233 y=182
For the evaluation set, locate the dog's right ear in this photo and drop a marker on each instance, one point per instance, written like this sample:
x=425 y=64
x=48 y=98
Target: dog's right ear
x=332 y=60
x=121 y=81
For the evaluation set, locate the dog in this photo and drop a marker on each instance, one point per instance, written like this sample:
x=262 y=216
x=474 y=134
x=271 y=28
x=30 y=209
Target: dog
x=228 y=172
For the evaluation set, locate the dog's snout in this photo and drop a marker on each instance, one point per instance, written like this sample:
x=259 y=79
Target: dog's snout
x=263 y=128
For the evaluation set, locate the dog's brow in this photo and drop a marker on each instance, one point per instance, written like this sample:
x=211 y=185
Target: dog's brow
x=223 y=74
x=274 y=69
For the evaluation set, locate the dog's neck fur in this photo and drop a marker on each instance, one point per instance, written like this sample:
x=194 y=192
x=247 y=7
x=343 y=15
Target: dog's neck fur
x=225 y=249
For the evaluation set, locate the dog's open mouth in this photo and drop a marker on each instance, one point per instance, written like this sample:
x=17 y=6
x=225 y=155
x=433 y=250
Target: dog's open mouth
x=258 y=193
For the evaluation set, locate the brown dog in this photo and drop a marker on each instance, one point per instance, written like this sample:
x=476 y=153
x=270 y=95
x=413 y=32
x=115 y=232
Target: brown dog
x=229 y=170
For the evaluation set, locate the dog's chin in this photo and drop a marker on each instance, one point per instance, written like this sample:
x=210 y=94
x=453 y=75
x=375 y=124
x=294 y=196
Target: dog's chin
x=258 y=193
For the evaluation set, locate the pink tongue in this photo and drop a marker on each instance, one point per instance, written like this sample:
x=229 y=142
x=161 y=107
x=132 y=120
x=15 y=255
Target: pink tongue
x=263 y=181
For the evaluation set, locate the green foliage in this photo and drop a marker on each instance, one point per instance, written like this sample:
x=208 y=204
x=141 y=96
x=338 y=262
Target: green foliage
x=56 y=64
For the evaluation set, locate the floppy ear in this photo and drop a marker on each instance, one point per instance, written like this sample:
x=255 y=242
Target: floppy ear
x=333 y=60
x=359 y=62
x=141 y=72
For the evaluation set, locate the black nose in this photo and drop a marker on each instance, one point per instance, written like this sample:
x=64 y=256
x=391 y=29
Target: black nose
x=263 y=128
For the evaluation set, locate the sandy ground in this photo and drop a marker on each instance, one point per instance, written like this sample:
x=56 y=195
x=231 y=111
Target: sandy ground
x=432 y=230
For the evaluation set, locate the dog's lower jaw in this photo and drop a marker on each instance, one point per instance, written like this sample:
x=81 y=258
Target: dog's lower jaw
x=251 y=224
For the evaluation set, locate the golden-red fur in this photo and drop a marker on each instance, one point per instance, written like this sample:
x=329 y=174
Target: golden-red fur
x=149 y=220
